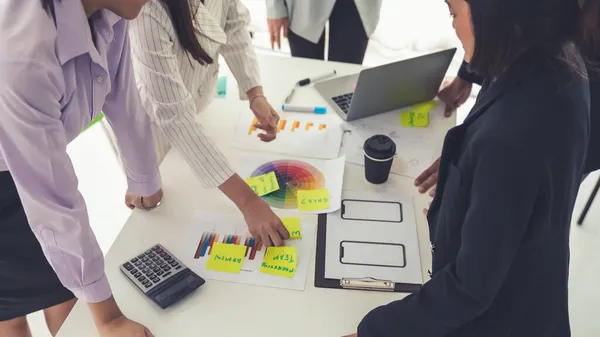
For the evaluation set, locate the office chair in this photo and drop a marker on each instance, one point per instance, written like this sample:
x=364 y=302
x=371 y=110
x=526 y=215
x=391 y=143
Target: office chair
x=588 y=204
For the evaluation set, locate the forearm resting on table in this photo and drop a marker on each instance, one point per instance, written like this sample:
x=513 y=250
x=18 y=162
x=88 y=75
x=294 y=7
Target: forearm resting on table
x=105 y=311
x=236 y=189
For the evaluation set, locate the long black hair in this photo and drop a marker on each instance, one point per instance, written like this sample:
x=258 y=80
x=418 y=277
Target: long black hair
x=504 y=29
x=182 y=16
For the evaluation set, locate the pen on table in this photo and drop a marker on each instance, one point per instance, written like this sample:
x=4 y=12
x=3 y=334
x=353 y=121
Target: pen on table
x=299 y=108
x=308 y=81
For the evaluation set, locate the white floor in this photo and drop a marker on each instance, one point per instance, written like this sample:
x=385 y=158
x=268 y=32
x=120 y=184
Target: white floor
x=406 y=28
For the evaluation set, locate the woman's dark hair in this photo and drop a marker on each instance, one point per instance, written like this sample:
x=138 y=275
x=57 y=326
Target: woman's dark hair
x=182 y=16
x=505 y=29
x=588 y=34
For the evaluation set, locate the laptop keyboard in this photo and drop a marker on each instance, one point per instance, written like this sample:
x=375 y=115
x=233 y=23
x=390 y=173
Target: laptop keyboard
x=343 y=101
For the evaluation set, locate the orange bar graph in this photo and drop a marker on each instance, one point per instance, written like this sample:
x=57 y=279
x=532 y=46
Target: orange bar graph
x=281 y=125
x=252 y=126
x=307 y=126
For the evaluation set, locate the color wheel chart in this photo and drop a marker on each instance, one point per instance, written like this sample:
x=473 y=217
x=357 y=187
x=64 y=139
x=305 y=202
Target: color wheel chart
x=292 y=175
x=209 y=238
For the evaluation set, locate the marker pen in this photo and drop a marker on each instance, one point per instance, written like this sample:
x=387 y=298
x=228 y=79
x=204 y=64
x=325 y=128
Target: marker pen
x=317 y=78
x=298 y=108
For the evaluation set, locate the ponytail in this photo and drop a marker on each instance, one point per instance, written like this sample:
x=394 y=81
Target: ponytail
x=183 y=21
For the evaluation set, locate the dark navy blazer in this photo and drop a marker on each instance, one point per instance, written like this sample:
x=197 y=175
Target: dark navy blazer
x=499 y=223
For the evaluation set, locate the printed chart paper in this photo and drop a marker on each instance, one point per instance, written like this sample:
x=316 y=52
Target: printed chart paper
x=302 y=136
x=295 y=175
x=373 y=236
x=207 y=229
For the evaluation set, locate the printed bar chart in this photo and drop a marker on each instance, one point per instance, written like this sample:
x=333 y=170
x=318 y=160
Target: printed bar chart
x=295 y=125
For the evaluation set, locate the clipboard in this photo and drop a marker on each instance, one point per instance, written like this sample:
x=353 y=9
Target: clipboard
x=369 y=284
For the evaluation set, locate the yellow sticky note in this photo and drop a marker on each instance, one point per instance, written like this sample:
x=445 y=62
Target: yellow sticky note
x=293 y=226
x=264 y=184
x=279 y=261
x=418 y=116
x=226 y=257
x=313 y=200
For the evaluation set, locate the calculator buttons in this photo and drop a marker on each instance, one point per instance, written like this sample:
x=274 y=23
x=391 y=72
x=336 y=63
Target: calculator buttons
x=128 y=266
x=142 y=278
x=155 y=248
x=133 y=271
x=160 y=272
x=134 y=260
x=167 y=274
x=138 y=274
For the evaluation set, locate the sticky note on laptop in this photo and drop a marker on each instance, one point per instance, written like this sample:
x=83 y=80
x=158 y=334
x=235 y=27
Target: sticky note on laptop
x=293 y=227
x=264 y=184
x=418 y=115
x=280 y=261
x=226 y=257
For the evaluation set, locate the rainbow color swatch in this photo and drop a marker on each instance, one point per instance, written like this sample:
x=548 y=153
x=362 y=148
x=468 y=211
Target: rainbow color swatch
x=292 y=175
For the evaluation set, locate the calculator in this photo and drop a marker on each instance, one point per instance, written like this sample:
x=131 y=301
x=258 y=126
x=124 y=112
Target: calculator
x=161 y=276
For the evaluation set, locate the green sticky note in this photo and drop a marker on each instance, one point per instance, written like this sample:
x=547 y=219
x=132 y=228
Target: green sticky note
x=418 y=116
x=226 y=257
x=264 y=184
x=279 y=261
x=313 y=200
x=222 y=86
x=293 y=226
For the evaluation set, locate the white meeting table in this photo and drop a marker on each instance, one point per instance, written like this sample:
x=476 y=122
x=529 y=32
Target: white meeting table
x=231 y=309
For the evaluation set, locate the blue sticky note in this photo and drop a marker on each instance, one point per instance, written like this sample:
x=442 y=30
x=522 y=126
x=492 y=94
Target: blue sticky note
x=222 y=86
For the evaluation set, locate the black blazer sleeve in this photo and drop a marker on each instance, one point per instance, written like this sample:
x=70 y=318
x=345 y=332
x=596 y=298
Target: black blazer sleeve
x=464 y=73
x=502 y=196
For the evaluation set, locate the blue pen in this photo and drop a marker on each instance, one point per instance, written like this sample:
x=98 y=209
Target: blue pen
x=297 y=108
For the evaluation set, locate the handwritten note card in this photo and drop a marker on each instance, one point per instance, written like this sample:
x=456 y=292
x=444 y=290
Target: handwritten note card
x=418 y=116
x=226 y=258
x=279 y=261
x=313 y=200
x=264 y=184
x=293 y=226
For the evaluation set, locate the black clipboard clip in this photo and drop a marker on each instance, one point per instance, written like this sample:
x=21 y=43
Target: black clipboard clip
x=367 y=283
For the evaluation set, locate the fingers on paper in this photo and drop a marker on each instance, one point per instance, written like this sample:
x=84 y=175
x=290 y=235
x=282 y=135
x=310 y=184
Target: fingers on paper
x=285 y=234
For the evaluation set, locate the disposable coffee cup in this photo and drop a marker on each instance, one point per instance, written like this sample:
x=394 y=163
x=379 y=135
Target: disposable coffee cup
x=380 y=151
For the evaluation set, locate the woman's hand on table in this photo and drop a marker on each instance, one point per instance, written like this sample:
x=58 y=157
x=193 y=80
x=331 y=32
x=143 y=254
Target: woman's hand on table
x=123 y=327
x=455 y=94
x=147 y=203
x=264 y=225
x=428 y=179
x=267 y=117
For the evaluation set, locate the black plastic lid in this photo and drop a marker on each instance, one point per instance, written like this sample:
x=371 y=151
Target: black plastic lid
x=380 y=147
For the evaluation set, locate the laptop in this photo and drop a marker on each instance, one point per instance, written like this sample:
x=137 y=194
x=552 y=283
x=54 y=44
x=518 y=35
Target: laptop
x=387 y=87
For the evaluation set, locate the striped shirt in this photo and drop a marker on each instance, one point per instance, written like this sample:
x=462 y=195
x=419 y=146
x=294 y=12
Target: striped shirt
x=174 y=87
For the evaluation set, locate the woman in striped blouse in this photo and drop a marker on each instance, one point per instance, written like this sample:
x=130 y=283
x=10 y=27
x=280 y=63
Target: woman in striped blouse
x=175 y=47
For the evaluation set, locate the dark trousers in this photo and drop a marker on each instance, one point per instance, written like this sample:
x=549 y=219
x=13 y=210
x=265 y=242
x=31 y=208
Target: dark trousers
x=347 y=37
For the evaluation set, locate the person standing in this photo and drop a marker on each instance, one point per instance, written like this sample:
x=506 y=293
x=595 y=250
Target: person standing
x=61 y=63
x=302 y=22
x=500 y=218
x=175 y=46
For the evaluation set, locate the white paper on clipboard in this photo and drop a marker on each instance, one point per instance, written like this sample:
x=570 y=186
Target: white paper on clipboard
x=373 y=235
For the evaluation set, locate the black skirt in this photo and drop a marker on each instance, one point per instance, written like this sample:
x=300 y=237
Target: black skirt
x=27 y=282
